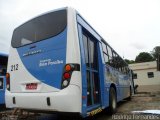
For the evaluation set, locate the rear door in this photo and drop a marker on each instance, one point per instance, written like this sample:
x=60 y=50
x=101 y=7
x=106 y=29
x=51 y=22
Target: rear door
x=92 y=73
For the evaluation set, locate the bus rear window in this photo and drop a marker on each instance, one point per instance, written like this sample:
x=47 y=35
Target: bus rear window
x=40 y=28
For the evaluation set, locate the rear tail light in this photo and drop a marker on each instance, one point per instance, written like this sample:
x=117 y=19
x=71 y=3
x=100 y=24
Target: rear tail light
x=8 y=81
x=67 y=73
x=68 y=67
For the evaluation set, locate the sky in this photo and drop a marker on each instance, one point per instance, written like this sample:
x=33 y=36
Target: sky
x=129 y=26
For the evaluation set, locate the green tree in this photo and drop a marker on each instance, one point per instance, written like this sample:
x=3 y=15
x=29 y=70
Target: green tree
x=156 y=52
x=129 y=61
x=144 y=57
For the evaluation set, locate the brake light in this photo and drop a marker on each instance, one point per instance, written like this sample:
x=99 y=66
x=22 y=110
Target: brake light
x=66 y=75
x=8 y=81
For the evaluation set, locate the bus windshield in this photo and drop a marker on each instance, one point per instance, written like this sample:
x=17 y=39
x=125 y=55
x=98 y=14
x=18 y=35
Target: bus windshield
x=40 y=28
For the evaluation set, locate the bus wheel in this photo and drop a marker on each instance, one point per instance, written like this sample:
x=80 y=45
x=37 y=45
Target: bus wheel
x=112 y=101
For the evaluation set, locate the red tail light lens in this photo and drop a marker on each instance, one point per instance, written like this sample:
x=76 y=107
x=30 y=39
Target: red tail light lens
x=8 y=81
x=66 y=75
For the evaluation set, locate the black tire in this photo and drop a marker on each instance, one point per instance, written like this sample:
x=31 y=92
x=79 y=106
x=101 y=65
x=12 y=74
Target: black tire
x=112 y=101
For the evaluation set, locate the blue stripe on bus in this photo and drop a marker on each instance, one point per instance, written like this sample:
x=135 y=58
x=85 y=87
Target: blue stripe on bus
x=47 y=65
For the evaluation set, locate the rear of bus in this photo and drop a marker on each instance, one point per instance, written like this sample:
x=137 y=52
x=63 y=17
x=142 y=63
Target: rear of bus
x=44 y=64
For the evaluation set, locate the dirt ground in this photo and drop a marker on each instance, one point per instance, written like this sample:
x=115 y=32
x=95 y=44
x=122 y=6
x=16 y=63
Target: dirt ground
x=139 y=102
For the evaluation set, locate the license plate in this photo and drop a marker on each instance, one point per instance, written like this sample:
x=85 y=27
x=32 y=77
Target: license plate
x=31 y=86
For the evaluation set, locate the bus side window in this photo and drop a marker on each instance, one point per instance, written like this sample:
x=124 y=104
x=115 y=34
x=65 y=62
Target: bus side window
x=115 y=60
x=104 y=48
x=105 y=53
x=110 y=55
x=86 y=50
x=106 y=59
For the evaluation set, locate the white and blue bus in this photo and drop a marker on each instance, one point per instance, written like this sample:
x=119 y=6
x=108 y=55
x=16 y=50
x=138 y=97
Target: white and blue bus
x=3 y=68
x=59 y=63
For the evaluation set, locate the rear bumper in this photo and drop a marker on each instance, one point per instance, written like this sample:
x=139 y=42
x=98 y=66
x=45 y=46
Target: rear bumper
x=66 y=100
